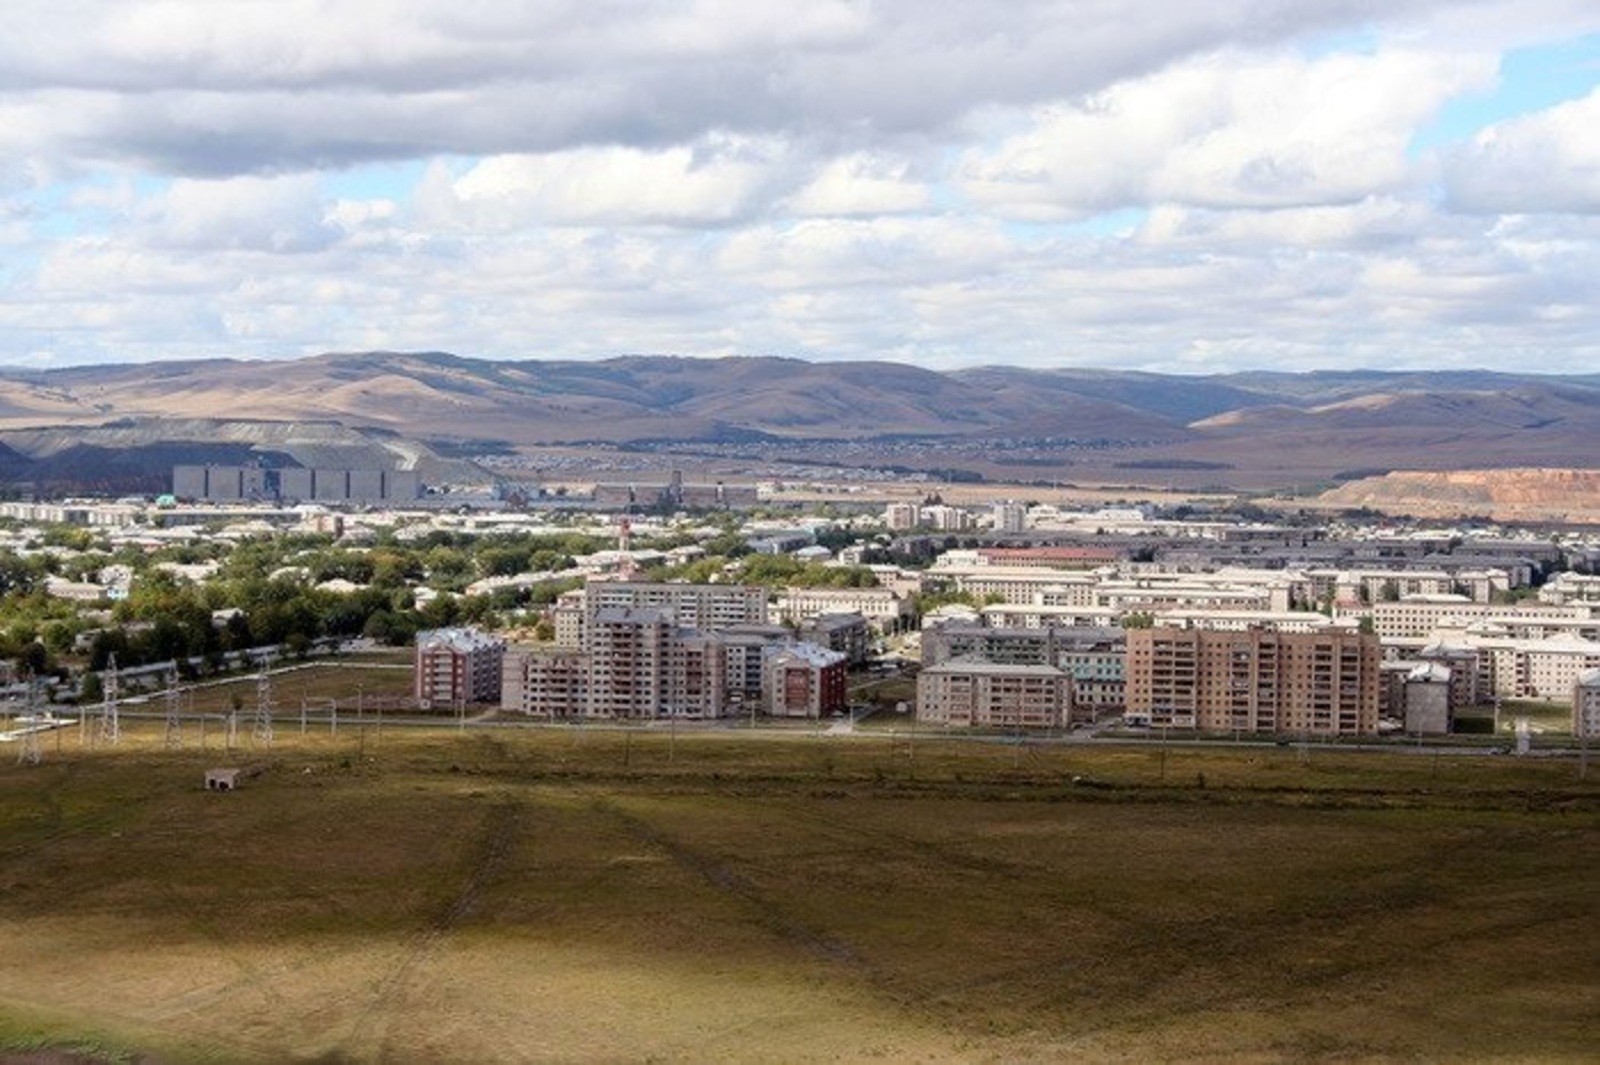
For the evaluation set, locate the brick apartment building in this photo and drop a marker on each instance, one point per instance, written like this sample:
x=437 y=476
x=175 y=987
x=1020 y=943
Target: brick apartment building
x=1257 y=681
x=456 y=667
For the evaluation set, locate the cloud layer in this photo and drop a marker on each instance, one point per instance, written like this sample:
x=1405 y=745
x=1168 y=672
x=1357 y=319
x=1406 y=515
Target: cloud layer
x=1280 y=183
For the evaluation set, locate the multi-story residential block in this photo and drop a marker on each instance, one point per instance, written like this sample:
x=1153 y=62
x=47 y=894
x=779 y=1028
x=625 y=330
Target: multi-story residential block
x=1586 y=705
x=639 y=663
x=457 y=666
x=1094 y=657
x=548 y=682
x=805 y=681
x=627 y=652
x=884 y=608
x=964 y=694
x=746 y=649
x=1566 y=588
x=700 y=606
x=1419 y=616
x=1010 y=516
x=1427 y=700
x=1324 y=683
x=902 y=517
x=1462 y=662
x=1025 y=585
x=847 y=634
x=947 y=518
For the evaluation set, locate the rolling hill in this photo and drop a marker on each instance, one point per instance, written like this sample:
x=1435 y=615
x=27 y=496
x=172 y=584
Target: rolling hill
x=1248 y=430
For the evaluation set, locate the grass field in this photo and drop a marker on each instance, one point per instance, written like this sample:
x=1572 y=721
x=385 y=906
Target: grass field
x=593 y=895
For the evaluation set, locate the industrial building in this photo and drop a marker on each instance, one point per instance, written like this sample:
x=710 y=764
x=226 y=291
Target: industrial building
x=233 y=484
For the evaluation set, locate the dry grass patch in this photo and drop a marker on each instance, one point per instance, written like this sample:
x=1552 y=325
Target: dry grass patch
x=599 y=896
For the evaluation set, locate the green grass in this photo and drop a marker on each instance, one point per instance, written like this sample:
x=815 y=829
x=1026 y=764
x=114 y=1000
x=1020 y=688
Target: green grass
x=595 y=895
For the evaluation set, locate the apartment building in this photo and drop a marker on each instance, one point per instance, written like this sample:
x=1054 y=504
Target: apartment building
x=1586 y=704
x=805 y=681
x=963 y=694
x=627 y=652
x=1093 y=656
x=745 y=650
x=551 y=683
x=700 y=606
x=457 y=666
x=1258 y=681
x=1426 y=700
x=1419 y=615
x=639 y=663
x=1024 y=585
x=884 y=608
x=1010 y=516
x=902 y=517
x=848 y=634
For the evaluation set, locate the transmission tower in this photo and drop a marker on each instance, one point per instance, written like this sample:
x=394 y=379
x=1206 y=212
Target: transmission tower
x=263 y=732
x=110 y=726
x=29 y=752
x=174 y=713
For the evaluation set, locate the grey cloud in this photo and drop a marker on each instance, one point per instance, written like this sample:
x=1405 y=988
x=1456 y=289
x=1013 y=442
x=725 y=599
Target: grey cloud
x=221 y=88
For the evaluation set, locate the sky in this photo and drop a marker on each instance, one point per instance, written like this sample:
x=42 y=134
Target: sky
x=1128 y=184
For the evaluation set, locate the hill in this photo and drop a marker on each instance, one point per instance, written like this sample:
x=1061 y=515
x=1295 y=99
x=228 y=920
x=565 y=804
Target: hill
x=1506 y=495
x=1256 y=430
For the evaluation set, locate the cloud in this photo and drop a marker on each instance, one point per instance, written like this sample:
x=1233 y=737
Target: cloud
x=280 y=215
x=1101 y=182
x=216 y=87
x=1547 y=162
x=717 y=181
x=1227 y=130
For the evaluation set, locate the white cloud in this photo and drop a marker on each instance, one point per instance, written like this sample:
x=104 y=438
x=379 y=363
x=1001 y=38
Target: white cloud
x=714 y=182
x=285 y=215
x=1106 y=182
x=861 y=183
x=1227 y=130
x=1543 y=162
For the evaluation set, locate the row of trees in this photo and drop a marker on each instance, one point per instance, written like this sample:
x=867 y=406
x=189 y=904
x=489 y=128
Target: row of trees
x=265 y=591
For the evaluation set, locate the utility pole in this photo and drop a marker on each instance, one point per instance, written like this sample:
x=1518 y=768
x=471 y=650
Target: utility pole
x=110 y=724
x=174 y=732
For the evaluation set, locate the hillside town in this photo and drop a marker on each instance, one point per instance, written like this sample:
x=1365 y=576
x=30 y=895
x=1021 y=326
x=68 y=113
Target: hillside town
x=689 y=603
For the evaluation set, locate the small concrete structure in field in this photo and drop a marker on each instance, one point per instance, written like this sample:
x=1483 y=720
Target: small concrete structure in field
x=222 y=779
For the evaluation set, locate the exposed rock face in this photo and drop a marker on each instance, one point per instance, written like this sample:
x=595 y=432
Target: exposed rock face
x=1515 y=494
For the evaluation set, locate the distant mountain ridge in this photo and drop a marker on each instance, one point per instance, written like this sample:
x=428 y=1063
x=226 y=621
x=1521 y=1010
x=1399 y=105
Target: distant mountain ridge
x=1277 y=427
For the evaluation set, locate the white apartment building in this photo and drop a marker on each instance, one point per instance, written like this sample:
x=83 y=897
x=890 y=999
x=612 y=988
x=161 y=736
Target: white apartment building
x=1023 y=584
x=1416 y=616
x=948 y=519
x=902 y=517
x=1010 y=516
x=884 y=608
x=1586 y=704
x=1564 y=588
x=700 y=606
x=628 y=650
x=1036 y=616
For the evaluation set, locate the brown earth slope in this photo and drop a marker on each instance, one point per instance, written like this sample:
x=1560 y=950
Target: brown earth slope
x=1525 y=494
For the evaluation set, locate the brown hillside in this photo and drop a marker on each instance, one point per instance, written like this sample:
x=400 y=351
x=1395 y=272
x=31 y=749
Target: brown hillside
x=1519 y=494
